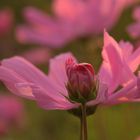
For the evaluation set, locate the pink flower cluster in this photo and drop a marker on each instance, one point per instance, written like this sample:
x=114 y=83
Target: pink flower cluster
x=72 y=19
x=116 y=79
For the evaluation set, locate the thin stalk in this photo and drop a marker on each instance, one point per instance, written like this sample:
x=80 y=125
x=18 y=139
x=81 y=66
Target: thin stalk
x=83 y=133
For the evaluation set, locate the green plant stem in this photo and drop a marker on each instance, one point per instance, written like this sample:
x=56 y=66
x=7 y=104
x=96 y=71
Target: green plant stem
x=83 y=133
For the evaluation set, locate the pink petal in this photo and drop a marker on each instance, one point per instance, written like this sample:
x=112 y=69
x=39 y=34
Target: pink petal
x=131 y=96
x=105 y=73
x=10 y=79
x=124 y=92
x=54 y=36
x=43 y=29
x=102 y=95
x=38 y=55
x=135 y=97
x=127 y=49
x=120 y=69
x=32 y=75
x=112 y=55
x=134 y=60
x=49 y=103
x=136 y=13
x=35 y=16
x=63 y=8
x=133 y=29
x=57 y=72
x=89 y=17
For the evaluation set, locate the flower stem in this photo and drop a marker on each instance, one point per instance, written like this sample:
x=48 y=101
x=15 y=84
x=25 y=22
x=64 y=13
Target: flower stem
x=83 y=135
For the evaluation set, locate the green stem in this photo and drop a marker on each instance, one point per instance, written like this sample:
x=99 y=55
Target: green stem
x=83 y=135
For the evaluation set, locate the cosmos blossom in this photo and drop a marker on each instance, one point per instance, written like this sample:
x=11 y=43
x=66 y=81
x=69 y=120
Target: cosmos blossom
x=70 y=83
x=134 y=28
x=67 y=23
x=6 y=21
x=11 y=114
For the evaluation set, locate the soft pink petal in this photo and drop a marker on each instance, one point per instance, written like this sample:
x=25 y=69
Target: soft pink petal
x=133 y=29
x=49 y=103
x=127 y=49
x=35 y=16
x=105 y=74
x=113 y=55
x=92 y=16
x=134 y=60
x=54 y=36
x=136 y=13
x=32 y=75
x=131 y=96
x=38 y=55
x=89 y=17
x=43 y=29
x=29 y=35
x=10 y=79
x=119 y=67
x=124 y=92
x=62 y=8
x=57 y=72
x=102 y=95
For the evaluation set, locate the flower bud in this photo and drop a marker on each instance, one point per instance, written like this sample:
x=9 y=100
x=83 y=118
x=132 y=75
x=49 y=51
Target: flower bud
x=81 y=81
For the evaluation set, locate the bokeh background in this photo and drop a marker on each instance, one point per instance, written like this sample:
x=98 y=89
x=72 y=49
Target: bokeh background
x=121 y=122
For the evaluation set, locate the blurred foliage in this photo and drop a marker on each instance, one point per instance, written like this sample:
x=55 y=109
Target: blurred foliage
x=119 y=122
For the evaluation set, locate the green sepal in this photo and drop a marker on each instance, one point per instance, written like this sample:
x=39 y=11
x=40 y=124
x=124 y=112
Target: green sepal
x=78 y=112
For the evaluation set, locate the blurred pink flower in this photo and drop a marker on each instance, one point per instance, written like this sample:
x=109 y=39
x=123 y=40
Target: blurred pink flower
x=11 y=114
x=6 y=21
x=134 y=28
x=116 y=81
x=138 y=138
x=89 y=17
x=117 y=70
x=37 y=55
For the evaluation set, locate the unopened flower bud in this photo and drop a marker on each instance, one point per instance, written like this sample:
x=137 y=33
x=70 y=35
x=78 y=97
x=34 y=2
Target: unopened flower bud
x=81 y=79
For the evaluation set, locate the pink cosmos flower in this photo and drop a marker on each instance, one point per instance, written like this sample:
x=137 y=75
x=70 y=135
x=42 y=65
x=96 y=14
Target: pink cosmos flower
x=68 y=83
x=89 y=17
x=6 y=21
x=134 y=28
x=11 y=114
